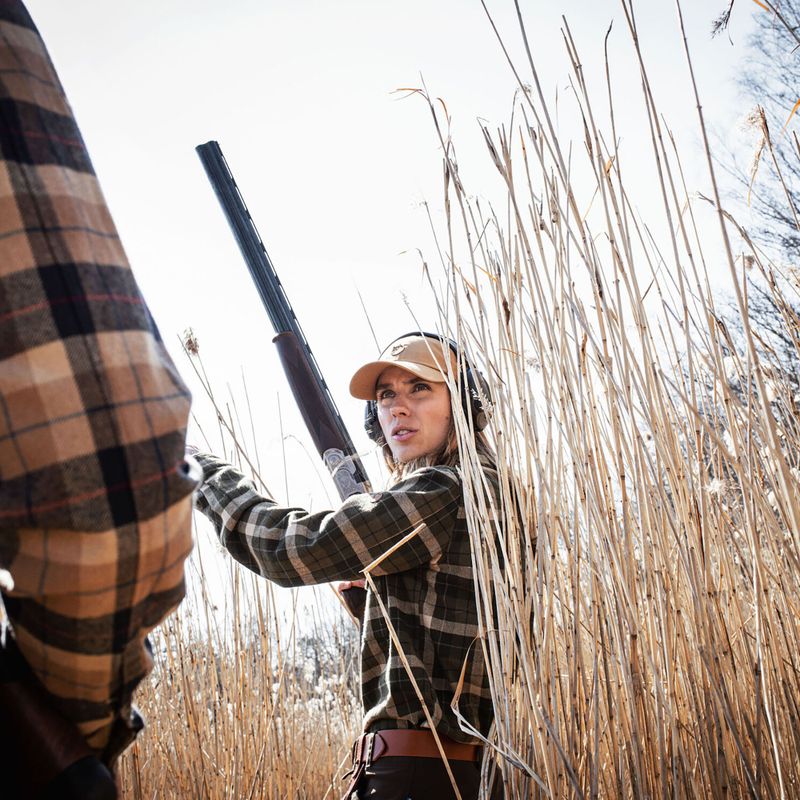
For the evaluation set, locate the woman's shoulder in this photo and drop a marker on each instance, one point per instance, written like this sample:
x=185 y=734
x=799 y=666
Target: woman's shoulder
x=429 y=476
x=485 y=473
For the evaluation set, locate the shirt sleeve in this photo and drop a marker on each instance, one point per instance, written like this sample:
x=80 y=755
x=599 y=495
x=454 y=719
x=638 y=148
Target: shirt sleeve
x=293 y=547
x=95 y=509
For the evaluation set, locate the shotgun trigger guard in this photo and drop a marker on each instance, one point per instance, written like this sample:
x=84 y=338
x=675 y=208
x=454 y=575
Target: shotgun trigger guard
x=343 y=472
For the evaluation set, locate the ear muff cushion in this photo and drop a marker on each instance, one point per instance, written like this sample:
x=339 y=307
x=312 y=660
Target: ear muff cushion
x=371 y=424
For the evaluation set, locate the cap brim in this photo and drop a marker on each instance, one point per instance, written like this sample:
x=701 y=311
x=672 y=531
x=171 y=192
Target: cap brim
x=362 y=384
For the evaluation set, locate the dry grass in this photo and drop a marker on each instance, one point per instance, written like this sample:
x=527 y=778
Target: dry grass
x=641 y=618
x=641 y=613
x=254 y=699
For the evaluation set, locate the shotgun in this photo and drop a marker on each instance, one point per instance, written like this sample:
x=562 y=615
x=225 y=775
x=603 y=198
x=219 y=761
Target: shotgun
x=310 y=391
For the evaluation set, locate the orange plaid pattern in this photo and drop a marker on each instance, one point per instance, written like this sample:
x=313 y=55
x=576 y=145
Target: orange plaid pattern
x=94 y=490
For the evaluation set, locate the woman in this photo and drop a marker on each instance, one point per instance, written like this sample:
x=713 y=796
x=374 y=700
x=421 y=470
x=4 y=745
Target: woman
x=425 y=585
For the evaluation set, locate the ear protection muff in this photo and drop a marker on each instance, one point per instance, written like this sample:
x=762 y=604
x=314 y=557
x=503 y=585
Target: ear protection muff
x=473 y=387
x=371 y=424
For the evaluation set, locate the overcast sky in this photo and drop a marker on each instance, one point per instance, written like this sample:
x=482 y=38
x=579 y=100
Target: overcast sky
x=333 y=165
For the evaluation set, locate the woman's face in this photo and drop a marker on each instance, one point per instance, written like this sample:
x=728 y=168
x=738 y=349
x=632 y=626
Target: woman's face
x=414 y=414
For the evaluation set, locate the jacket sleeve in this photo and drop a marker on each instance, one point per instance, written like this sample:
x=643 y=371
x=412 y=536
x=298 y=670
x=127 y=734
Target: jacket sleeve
x=293 y=547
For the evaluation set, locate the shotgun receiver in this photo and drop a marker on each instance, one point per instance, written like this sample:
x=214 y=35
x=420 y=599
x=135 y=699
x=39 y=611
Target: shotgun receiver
x=310 y=391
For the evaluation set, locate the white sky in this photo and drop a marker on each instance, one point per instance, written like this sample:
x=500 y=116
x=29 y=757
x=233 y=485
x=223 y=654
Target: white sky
x=331 y=164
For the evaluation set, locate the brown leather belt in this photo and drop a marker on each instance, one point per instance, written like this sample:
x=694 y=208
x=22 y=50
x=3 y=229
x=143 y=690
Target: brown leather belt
x=369 y=747
x=416 y=743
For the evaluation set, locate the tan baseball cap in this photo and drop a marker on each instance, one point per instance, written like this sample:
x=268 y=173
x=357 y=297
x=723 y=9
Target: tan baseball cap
x=421 y=355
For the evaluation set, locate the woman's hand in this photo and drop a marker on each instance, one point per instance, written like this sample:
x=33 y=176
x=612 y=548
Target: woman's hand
x=354 y=597
x=345 y=585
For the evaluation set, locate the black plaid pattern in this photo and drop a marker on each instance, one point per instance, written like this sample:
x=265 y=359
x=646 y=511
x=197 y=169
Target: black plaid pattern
x=95 y=517
x=426 y=585
x=69 y=306
x=15 y=12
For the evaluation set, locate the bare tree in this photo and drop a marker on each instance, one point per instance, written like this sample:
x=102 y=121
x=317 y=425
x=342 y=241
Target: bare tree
x=770 y=80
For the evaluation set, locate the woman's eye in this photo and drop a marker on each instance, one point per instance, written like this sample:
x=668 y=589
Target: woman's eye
x=421 y=387
x=384 y=395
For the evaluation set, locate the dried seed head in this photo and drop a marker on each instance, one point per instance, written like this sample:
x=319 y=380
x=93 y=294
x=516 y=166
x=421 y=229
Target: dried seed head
x=756 y=122
x=721 y=22
x=190 y=342
x=533 y=363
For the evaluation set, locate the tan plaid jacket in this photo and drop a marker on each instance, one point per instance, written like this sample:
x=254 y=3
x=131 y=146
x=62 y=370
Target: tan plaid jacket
x=94 y=491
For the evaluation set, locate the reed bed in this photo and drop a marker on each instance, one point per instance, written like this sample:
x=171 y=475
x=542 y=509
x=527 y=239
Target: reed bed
x=251 y=697
x=641 y=602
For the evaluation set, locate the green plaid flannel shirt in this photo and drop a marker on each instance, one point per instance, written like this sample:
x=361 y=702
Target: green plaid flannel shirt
x=426 y=585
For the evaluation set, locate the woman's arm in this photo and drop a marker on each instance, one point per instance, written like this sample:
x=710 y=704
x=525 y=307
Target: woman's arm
x=292 y=547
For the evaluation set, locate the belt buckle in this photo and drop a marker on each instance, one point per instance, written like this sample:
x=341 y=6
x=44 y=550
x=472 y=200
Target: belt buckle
x=370 y=748
x=356 y=754
x=376 y=742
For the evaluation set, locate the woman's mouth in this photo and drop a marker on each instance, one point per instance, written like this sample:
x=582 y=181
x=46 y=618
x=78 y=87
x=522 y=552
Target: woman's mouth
x=402 y=434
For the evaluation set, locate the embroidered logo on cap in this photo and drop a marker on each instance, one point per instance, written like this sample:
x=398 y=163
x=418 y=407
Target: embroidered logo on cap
x=397 y=349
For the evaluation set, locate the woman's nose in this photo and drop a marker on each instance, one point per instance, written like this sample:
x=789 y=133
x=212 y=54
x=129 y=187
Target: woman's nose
x=399 y=407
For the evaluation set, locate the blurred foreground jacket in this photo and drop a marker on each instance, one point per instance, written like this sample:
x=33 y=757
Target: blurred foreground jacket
x=94 y=489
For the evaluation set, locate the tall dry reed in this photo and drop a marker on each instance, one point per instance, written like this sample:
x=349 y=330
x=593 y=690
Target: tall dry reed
x=247 y=700
x=255 y=690
x=641 y=603
x=641 y=610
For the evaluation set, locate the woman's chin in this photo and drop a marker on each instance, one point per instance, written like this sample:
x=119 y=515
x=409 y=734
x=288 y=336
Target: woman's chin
x=404 y=454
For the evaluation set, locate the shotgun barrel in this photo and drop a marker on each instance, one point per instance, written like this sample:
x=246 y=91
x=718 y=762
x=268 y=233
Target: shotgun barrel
x=310 y=391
